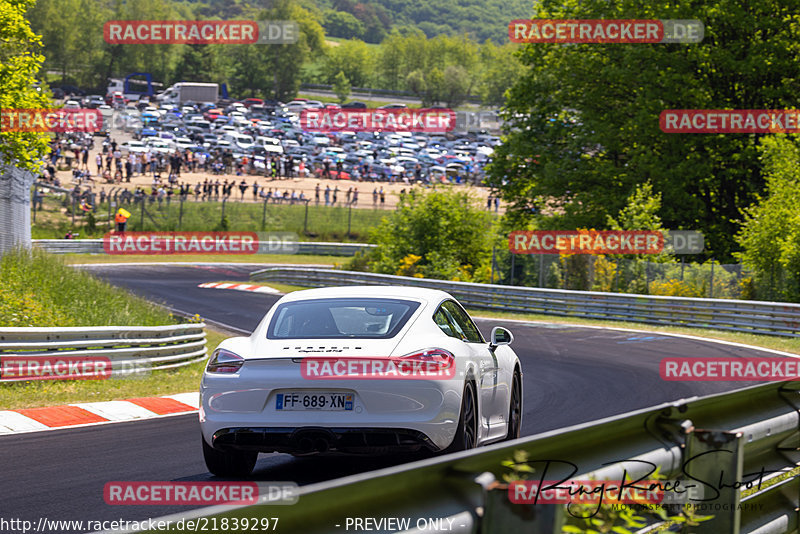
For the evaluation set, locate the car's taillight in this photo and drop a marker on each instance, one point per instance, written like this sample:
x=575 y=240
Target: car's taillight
x=439 y=358
x=224 y=361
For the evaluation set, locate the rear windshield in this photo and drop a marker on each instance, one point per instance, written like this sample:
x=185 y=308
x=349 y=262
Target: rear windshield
x=340 y=318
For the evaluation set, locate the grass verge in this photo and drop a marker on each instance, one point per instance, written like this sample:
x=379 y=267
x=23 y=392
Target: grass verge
x=323 y=223
x=39 y=289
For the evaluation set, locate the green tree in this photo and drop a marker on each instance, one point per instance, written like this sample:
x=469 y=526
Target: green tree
x=353 y=58
x=275 y=70
x=456 y=85
x=584 y=119
x=770 y=233
x=20 y=60
x=500 y=69
x=641 y=211
x=285 y=61
x=341 y=87
x=449 y=236
x=342 y=24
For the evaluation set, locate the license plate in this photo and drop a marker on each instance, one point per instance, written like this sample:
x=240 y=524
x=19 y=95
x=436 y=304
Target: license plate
x=322 y=401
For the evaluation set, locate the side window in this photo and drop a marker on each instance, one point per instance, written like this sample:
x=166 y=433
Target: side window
x=463 y=322
x=441 y=320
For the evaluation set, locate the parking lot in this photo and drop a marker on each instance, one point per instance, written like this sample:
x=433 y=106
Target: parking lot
x=156 y=145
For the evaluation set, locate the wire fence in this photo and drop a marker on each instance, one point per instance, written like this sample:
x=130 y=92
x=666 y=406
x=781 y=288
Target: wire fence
x=91 y=215
x=678 y=277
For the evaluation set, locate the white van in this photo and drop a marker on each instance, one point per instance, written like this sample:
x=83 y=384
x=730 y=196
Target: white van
x=238 y=140
x=270 y=144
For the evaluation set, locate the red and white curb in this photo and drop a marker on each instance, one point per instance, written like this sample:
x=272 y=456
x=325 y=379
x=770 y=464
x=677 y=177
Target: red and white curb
x=240 y=287
x=94 y=413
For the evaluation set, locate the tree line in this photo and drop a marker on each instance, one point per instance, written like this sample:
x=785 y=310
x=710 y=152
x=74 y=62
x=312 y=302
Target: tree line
x=443 y=69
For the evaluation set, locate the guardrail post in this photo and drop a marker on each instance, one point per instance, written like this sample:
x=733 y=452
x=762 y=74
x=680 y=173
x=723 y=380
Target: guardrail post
x=711 y=282
x=717 y=458
x=491 y=278
x=541 y=270
x=501 y=516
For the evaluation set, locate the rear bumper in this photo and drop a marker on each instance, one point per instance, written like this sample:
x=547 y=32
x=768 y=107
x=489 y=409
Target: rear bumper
x=303 y=441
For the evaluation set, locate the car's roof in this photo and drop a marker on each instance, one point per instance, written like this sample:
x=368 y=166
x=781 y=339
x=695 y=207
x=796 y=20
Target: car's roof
x=402 y=292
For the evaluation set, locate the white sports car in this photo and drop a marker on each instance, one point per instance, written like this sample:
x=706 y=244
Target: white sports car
x=358 y=370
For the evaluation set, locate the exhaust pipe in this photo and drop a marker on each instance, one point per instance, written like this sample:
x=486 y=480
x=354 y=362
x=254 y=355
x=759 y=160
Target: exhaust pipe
x=305 y=445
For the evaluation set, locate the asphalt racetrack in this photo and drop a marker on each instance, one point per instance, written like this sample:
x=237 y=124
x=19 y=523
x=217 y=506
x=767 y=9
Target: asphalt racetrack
x=571 y=375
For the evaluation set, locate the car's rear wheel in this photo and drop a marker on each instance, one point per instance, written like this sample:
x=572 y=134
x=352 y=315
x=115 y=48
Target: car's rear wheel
x=515 y=408
x=228 y=463
x=467 y=433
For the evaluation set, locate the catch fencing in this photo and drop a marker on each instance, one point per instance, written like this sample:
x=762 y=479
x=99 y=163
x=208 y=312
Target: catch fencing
x=755 y=317
x=15 y=211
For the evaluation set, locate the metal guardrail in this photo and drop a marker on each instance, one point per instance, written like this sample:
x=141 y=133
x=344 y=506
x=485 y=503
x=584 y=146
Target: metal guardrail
x=95 y=246
x=756 y=317
x=726 y=438
x=130 y=349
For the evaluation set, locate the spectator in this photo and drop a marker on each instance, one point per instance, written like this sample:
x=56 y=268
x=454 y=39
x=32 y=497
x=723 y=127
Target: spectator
x=316 y=195
x=496 y=203
x=355 y=196
x=99 y=161
x=255 y=190
x=335 y=194
x=327 y=195
x=243 y=188
x=375 y=198
x=383 y=197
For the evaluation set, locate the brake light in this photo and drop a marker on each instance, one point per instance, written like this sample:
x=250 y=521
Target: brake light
x=438 y=358
x=224 y=361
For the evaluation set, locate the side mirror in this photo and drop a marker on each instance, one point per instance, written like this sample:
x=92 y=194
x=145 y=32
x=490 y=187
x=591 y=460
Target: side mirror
x=500 y=336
